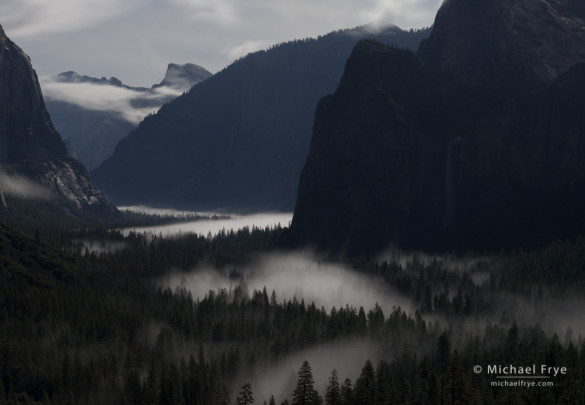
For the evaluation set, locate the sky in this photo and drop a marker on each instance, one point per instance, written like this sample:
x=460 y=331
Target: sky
x=134 y=40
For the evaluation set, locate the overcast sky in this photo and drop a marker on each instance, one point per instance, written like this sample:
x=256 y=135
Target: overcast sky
x=134 y=40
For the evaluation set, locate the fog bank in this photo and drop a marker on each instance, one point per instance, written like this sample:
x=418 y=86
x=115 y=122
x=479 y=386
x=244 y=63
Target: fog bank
x=23 y=187
x=213 y=226
x=299 y=275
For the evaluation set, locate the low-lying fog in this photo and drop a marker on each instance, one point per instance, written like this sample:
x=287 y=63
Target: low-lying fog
x=22 y=187
x=299 y=275
x=204 y=227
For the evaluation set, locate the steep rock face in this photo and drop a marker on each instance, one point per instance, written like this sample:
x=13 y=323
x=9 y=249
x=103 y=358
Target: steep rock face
x=26 y=131
x=240 y=138
x=92 y=126
x=31 y=149
x=486 y=41
x=406 y=154
x=375 y=170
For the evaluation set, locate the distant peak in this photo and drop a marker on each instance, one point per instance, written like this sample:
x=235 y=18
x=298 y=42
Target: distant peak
x=74 y=77
x=184 y=76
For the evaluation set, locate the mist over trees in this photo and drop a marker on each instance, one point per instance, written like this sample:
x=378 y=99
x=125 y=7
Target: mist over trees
x=98 y=329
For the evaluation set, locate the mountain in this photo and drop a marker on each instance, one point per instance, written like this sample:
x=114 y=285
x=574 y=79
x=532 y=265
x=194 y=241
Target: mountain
x=439 y=152
x=33 y=158
x=239 y=139
x=93 y=114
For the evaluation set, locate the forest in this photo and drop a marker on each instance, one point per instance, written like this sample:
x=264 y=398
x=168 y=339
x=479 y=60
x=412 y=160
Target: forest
x=86 y=327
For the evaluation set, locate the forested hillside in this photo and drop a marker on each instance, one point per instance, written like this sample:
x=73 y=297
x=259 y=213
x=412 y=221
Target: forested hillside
x=100 y=329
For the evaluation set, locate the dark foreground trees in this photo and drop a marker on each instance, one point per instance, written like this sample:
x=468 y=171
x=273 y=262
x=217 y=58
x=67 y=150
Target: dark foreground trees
x=305 y=393
x=245 y=396
x=99 y=329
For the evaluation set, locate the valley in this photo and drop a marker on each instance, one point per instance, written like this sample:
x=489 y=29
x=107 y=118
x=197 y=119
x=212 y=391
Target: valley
x=371 y=216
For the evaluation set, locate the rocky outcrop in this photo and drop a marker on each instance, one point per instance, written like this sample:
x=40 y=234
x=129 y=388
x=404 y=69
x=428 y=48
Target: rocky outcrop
x=183 y=77
x=440 y=152
x=31 y=150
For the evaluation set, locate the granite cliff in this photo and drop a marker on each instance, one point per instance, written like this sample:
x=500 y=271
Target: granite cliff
x=477 y=142
x=32 y=153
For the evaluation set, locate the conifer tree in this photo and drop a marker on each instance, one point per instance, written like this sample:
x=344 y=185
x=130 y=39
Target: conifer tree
x=304 y=393
x=245 y=396
x=347 y=392
x=365 y=385
x=333 y=395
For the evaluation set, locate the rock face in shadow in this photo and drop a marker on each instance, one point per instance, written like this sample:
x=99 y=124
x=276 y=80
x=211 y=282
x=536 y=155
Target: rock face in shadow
x=498 y=41
x=240 y=138
x=375 y=170
x=438 y=152
x=26 y=131
x=31 y=148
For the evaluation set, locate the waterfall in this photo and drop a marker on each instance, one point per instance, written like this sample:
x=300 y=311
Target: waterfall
x=3 y=206
x=451 y=170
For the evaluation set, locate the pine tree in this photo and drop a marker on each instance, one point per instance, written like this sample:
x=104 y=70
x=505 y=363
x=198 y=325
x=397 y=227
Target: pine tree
x=347 y=393
x=245 y=396
x=365 y=385
x=383 y=383
x=304 y=393
x=333 y=395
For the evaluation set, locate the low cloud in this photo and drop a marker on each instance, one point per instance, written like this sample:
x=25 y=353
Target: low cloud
x=248 y=47
x=210 y=226
x=300 y=276
x=131 y=105
x=404 y=13
x=22 y=187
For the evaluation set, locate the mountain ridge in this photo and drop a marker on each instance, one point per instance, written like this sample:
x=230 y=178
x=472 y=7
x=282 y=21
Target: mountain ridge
x=239 y=139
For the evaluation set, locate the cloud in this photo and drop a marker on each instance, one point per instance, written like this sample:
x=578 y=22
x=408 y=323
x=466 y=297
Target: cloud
x=134 y=40
x=131 y=105
x=29 y=18
x=218 y=11
x=404 y=13
x=23 y=187
x=213 y=226
x=248 y=47
x=297 y=275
